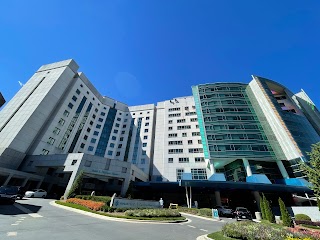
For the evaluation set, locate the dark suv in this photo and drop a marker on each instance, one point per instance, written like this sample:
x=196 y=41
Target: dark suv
x=8 y=194
x=224 y=211
x=242 y=213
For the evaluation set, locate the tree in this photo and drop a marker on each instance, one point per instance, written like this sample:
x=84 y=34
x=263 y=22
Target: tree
x=76 y=186
x=262 y=207
x=285 y=216
x=311 y=168
x=318 y=203
x=268 y=211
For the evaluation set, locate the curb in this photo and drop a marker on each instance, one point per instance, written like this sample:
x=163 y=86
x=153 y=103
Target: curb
x=107 y=218
x=204 y=218
x=203 y=237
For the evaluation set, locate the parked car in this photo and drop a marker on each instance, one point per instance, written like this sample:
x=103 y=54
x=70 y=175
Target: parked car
x=21 y=192
x=224 y=211
x=8 y=194
x=36 y=193
x=242 y=213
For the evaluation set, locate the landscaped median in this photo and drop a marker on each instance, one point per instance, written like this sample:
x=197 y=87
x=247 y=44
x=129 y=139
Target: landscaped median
x=261 y=231
x=100 y=207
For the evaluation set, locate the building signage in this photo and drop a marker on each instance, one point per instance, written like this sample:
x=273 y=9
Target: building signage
x=130 y=203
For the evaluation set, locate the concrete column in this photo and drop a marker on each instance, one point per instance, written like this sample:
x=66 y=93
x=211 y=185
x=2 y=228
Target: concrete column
x=71 y=180
x=247 y=167
x=257 y=197
x=282 y=169
x=212 y=169
x=8 y=179
x=125 y=186
x=25 y=182
x=218 y=198
x=39 y=183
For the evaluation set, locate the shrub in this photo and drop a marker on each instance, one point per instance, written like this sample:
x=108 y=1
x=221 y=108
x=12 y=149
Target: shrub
x=87 y=203
x=316 y=224
x=105 y=199
x=148 y=213
x=205 y=212
x=262 y=207
x=285 y=216
x=76 y=186
x=268 y=211
x=254 y=231
x=302 y=217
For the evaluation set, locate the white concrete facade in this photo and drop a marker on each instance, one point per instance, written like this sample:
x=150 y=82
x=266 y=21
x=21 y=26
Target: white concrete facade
x=177 y=145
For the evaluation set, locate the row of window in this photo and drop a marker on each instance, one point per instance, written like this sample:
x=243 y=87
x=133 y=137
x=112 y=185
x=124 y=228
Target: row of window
x=197 y=173
x=172 y=135
x=180 y=150
x=180 y=142
x=186 y=159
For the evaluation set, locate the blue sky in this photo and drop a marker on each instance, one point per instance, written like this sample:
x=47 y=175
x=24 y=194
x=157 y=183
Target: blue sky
x=145 y=51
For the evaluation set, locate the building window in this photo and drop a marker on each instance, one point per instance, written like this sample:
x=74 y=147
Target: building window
x=88 y=129
x=193 y=119
x=195 y=134
x=118 y=119
x=88 y=163
x=51 y=140
x=199 y=159
x=189 y=141
x=146 y=124
x=118 y=154
x=144 y=144
x=117 y=125
x=82 y=145
x=145 y=137
x=121 y=139
x=184 y=160
x=143 y=161
x=147 y=118
x=184 y=134
x=115 y=131
x=174 y=109
x=91 y=123
x=112 y=145
x=175 y=142
x=199 y=173
x=175 y=151
x=171 y=135
x=146 y=130
x=110 y=153
x=186 y=108
x=123 y=132
x=199 y=141
x=96 y=109
x=103 y=113
x=98 y=126
x=74 y=98
x=93 y=140
x=174 y=115
x=45 y=152
x=74 y=162
x=181 y=120
x=70 y=105
x=197 y=126
x=124 y=170
x=95 y=133
x=170 y=160
x=113 y=138
x=90 y=148
x=124 y=126
x=120 y=145
x=66 y=113
x=170 y=121
x=61 y=121
x=85 y=137
x=78 y=91
x=100 y=120
x=184 y=127
x=179 y=174
x=195 y=150
x=169 y=128
x=94 y=116
x=56 y=130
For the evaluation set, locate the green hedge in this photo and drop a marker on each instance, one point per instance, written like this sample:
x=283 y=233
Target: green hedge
x=153 y=213
x=104 y=199
x=302 y=217
x=206 y=212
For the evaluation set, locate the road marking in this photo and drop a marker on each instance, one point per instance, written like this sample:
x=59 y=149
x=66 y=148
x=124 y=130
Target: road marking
x=11 y=234
x=203 y=230
x=26 y=210
x=15 y=224
x=191 y=226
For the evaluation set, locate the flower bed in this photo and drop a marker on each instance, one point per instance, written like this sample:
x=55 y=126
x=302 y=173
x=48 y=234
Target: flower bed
x=153 y=213
x=260 y=231
x=105 y=199
x=96 y=206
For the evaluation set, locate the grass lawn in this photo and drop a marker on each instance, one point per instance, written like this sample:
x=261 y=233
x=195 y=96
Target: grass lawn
x=218 y=236
x=119 y=215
